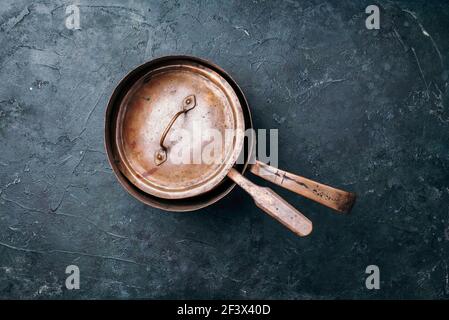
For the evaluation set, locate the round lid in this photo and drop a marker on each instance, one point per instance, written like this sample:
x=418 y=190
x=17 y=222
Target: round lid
x=180 y=129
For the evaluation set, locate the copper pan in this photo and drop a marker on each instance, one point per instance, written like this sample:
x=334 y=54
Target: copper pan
x=176 y=205
x=181 y=91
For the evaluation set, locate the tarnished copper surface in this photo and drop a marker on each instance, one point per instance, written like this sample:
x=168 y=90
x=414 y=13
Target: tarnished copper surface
x=339 y=200
x=152 y=103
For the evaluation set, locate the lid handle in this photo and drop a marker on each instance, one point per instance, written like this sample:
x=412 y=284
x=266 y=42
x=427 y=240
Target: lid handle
x=188 y=103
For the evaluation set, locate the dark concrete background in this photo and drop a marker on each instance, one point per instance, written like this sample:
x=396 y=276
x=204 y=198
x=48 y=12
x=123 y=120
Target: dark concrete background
x=363 y=110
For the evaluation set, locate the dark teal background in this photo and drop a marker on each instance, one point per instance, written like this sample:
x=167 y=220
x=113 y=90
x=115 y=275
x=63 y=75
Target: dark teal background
x=363 y=110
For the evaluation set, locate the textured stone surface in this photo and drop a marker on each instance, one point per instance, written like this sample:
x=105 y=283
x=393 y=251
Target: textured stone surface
x=359 y=109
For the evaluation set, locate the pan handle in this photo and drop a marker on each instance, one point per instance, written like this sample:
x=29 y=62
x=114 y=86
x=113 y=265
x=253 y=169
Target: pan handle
x=274 y=205
x=333 y=198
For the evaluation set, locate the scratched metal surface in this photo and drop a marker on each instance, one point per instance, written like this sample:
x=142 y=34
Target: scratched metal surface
x=359 y=109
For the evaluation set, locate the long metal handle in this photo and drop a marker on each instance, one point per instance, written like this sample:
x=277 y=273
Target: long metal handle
x=267 y=200
x=188 y=103
x=333 y=198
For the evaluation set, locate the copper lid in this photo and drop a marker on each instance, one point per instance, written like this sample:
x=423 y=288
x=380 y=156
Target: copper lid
x=164 y=126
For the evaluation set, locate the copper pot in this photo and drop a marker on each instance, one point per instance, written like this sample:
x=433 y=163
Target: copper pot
x=180 y=92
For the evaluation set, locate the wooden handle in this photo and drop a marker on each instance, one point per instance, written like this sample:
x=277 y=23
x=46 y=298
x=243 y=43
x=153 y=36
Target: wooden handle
x=336 y=199
x=274 y=205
